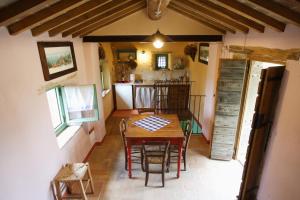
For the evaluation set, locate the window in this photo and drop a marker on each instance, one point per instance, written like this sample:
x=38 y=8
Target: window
x=161 y=61
x=102 y=78
x=56 y=112
x=105 y=78
x=72 y=104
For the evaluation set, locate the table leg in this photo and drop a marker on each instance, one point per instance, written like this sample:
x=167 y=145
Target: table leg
x=179 y=159
x=129 y=160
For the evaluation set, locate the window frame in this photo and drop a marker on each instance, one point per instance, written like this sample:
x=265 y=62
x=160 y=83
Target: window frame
x=166 y=55
x=60 y=128
x=63 y=112
x=88 y=119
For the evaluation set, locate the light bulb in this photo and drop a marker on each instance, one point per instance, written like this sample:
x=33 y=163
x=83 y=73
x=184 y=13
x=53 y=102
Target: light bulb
x=158 y=44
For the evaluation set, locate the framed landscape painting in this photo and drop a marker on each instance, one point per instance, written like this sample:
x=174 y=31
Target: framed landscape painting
x=57 y=59
x=203 y=53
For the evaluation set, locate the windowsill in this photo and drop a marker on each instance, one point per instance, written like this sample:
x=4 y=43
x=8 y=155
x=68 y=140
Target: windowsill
x=66 y=135
x=105 y=92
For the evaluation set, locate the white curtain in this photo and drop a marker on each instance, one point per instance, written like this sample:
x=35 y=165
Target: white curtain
x=79 y=98
x=144 y=97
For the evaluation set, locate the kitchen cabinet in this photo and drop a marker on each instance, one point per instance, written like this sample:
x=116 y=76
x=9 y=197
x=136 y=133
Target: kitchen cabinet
x=123 y=96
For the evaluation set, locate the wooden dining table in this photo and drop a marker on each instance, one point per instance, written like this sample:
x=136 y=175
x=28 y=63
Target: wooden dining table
x=171 y=132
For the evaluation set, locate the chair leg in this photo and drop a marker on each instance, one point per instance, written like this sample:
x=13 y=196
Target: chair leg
x=163 y=178
x=142 y=162
x=146 y=179
x=168 y=161
x=184 y=162
x=126 y=160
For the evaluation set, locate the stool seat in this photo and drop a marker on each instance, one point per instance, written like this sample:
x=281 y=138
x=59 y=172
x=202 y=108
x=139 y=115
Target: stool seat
x=71 y=174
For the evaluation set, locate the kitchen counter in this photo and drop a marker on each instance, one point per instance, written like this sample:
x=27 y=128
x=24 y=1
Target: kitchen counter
x=125 y=95
x=130 y=83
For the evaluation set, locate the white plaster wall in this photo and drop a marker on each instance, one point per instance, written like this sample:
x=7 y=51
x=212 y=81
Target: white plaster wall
x=210 y=88
x=30 y=157
x=281 y=175
x=171 y=23
x=108 y=104
x=271 y=39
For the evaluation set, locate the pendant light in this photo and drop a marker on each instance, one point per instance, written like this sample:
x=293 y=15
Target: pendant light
x=158 y=39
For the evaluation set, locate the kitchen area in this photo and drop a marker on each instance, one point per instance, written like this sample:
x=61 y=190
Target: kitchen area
x=132 y=71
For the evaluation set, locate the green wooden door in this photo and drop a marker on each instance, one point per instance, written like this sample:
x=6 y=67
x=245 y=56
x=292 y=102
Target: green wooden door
x=230 y=89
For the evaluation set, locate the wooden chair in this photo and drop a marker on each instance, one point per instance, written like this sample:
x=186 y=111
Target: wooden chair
x=173 y=97
x=155 y=158
x=136 y=150
x=173 y=151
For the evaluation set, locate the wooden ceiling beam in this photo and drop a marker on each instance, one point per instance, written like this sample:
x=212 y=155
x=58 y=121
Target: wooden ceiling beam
x=84 y=17
x=104 y=15
x=214 y=15
x=202 y=17
x=18 y=9
x=111 y=20
x=33 y=19
x=198 y=19
x=279 y=10
x=232 y=15
x=156 y=8
x=75 y=12
x=142 y=38
x=241 y=7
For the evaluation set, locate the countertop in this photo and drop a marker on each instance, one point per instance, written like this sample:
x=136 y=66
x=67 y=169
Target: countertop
x=130 y=83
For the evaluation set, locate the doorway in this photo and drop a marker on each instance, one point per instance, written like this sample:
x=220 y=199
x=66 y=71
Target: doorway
x=249 y=107
x=234 y=115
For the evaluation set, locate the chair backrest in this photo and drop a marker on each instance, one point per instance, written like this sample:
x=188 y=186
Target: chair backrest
x=172 y=97
x=123 y=128
x=156 y=149
x=187 y=134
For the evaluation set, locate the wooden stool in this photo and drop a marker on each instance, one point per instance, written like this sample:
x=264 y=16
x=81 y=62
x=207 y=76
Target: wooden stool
x=70 y=174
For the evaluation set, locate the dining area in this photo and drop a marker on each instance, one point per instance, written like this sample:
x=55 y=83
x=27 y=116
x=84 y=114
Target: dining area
x=157 y=152
x=202 y=179
x=155 y=141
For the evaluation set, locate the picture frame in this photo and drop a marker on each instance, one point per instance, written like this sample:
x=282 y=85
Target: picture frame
x=57 y=59
x=203 y=53
x=124 y=55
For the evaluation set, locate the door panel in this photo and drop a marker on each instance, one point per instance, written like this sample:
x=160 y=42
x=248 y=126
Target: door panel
x=261 y=125
x=229 y=95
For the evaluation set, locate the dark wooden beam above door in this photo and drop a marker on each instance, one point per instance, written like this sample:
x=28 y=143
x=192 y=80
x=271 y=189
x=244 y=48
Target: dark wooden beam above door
x=40 y=15
x=141 y=38
x=222 y=10
x=279 y=10
x=212 y=14
x=243 y=8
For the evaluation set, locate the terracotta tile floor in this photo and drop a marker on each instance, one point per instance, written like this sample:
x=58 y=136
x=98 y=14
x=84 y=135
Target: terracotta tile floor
x=204 y=179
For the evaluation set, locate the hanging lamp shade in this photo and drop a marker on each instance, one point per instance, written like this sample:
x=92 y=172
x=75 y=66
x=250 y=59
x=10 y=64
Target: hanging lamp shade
x=158 y=39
